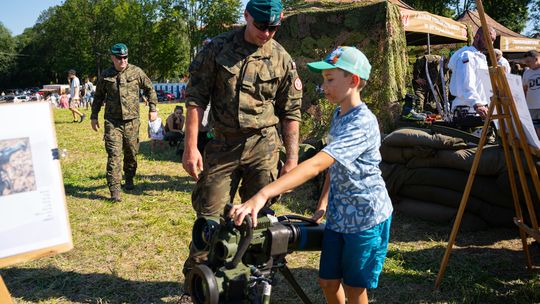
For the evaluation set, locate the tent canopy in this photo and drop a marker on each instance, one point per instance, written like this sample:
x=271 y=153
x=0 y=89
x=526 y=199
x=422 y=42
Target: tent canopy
x=418 y=24
x=508 y=41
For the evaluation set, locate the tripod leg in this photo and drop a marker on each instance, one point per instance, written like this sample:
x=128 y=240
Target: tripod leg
x=286 y=272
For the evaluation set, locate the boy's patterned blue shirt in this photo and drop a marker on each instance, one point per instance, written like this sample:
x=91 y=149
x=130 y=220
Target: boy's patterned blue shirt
x=357 y=199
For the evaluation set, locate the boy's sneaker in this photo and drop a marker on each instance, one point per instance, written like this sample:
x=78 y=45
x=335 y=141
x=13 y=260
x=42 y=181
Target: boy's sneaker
x=82 y=118
x=129 y=185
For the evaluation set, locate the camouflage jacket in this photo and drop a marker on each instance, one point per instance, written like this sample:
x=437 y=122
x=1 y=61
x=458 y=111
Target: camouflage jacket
x=120 y=92
x=419 y=69
x=250 y=87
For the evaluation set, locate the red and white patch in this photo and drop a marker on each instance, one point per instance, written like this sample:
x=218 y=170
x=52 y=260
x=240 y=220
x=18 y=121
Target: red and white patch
x=298 y=84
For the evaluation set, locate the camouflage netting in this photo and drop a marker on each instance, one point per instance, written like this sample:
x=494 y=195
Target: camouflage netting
x=374 y=27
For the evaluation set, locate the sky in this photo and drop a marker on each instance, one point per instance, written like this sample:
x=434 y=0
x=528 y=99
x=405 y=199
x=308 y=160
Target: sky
x=17 y=15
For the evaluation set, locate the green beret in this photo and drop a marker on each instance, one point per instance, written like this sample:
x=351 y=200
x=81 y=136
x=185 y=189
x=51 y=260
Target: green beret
x=119 y=49
x=267 y=11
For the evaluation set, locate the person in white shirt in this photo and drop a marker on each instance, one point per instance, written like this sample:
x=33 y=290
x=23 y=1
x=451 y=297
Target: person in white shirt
x=503 y=62
x=75 y=100
x=465 y=83
x=531 y=86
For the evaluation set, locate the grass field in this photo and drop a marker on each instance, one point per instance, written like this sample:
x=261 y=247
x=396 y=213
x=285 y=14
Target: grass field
x=133 y=252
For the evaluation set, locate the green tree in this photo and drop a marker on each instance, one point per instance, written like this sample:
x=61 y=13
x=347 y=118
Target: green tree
x=511 y=13
x=208 y=18
x=439 y=7
x=535 y=16
x=79 y=33
x=460 y=6
x=7 y=50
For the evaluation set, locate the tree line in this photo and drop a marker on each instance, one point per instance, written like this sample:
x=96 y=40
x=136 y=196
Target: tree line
x=162 y=35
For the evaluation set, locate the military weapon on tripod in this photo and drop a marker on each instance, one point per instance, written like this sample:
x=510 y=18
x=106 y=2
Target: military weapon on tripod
x=242 y=261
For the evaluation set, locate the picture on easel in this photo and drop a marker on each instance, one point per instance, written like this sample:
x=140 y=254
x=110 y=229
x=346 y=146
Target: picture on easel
x=516 y=87
x=33 y=213
x=16 y=168
x=508 y=109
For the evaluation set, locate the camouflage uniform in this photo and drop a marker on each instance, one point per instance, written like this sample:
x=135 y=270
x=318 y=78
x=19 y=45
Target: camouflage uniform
x=120 y=93
x=251 y=88
x=426 y=101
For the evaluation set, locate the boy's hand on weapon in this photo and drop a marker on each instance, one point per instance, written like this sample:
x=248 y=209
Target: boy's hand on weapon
x=318 y=215
x=95 y=124
x=251 y=208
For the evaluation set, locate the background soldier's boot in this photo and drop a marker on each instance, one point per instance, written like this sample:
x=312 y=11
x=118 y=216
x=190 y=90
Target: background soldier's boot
x=129 y=185
x=408 y=112
x=115 y=196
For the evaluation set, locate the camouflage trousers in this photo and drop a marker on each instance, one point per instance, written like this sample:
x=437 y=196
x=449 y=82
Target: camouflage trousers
x=231 y=158
x=426 y=102
x=228 y=160
x=121 y=136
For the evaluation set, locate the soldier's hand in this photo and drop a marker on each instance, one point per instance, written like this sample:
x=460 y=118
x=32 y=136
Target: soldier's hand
x=288 y=166
x=95 y=124
x=192 y=162
x=421 y=81
x=152 y=116
x=481 y=109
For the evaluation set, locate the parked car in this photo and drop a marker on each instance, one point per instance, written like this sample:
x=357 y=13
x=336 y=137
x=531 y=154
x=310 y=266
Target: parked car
x=21 y=98
x=8 y=98
x=164 y=96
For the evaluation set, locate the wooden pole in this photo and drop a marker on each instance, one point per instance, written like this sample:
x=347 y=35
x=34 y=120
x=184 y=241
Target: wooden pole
x=509 y=120
x=464 y=198
x=5 y=297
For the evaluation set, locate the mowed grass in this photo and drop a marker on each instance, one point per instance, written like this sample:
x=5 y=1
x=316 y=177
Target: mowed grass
x=133 y=252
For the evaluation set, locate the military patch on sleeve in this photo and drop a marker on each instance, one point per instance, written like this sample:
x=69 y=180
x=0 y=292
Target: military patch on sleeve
x=298 y=84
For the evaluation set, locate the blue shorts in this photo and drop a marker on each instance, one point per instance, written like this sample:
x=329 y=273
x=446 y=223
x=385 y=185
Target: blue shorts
x=357 y=258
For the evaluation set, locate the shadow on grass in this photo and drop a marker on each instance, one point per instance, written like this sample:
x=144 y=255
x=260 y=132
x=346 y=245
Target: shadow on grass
x=410 y=229
x=143 y=184
x=32 y=284
x=163 y=152
x=473 y=275
x=283 y=292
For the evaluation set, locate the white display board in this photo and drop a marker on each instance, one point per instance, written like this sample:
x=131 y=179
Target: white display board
x=516 y=86
x=33 y=214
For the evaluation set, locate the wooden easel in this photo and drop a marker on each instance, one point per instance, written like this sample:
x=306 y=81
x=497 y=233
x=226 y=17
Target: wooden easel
x=5 y=297
x=508 y=117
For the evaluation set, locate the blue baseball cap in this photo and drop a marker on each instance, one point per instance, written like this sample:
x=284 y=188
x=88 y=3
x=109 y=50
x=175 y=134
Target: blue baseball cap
x=347 y=58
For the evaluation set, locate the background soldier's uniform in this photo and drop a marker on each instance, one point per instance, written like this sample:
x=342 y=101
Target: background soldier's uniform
x=120 y=92
x=251 y=88
x=426 y=101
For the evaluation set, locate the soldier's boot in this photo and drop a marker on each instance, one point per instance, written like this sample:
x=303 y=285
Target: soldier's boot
x=129 y=185
x=115 y=196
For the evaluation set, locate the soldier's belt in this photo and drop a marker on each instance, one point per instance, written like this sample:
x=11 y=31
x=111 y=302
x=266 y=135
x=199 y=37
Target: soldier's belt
x=240 y=134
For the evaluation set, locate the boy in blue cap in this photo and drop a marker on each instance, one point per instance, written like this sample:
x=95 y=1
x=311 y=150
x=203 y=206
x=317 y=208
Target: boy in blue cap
x=354 y=198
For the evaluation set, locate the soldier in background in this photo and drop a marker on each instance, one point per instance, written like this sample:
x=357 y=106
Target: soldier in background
x=253 y=86
x=118 y=87
x=421 y=85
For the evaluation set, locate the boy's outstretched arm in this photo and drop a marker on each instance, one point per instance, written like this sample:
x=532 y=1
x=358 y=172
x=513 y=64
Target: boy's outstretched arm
x=300 y=174
x=323 y=200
